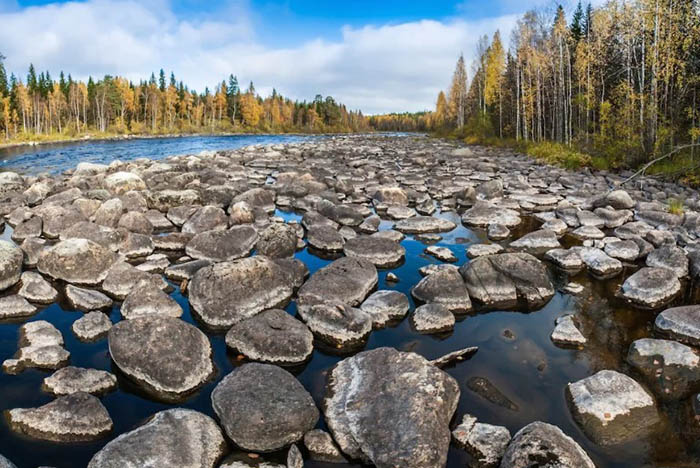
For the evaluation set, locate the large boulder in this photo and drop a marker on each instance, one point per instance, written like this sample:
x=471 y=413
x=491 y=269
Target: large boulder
x=177 y=437
x=226 y=293
x=223 y=246
x=544 y=445
x=484 y=213
x=272 y=336
x=279 y=240
x=76 y=261
x=445 y=287
x=424 y=224
x=671 y=257
x=651 y=288
x=263 y=408
x=122 y=182
x=612 y=408
x=391 y=408
x=169 y=358
x=681 y=324
x=383 y=253
x=336 y=323
x=508 y=281
x=78 y=417
x=11 y=258
x=206 y=218
x=346 y=280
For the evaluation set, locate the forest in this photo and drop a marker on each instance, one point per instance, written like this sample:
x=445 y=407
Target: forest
x=613 y=87
x=41 y=107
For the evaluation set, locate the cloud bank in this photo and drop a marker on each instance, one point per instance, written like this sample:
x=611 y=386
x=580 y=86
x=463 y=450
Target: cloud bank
x=375 y=68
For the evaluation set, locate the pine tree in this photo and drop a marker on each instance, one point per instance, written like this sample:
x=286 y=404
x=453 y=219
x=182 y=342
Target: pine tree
x=577 y=23
x=161 y=81
x=4 y=85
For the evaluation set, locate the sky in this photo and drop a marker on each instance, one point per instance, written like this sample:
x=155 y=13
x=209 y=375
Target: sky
x=376 y=56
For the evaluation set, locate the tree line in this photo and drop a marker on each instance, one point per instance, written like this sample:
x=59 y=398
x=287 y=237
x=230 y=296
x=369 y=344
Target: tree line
x=42 y=106
x=620 y=82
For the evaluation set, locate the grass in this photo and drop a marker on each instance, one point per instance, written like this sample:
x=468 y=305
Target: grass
x=675 y=206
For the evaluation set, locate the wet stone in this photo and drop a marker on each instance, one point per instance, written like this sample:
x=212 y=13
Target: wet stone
x=146 y=299
x=486 y=442
x=336 y=323
x=671 y=257
x=566 y=259
x=78 y=261
x=87 y=299
x=92 y=326
x=383 y=253
x=272 y=336
x=441 y=253
x=346 y=281
x=384 y=306
x=445 y=287
x=487 y=390
x=481 y=250
x=612 y=408
x=36 y=289
x=651 y=288
x=223 y=245
x=77 y=417
x=15 y=306
x=11 y=258
x=681 y=324
x=566 y=332
x=432 y=318
x=599 y=264
x=279 y=240
x=423 y=224
x=325 y=238
x=498 y=232
x=542 y=441
x=263 y=408
x=40 y=346
x=71 y=380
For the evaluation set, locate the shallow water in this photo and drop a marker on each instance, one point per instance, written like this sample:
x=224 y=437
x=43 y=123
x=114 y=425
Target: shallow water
x=57 y=157
x=528 y=368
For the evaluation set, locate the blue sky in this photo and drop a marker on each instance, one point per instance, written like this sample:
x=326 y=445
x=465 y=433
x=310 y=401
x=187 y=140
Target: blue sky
x=377 y=56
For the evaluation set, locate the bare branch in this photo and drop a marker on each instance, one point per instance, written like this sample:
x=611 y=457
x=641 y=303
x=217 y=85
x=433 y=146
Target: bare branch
x=643 y=169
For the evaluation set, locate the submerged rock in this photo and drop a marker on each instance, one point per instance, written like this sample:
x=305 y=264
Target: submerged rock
x=544 y=443
x=147 y=299
x=391 y=408
x=432 y=318
x=566 y=333
x=612 y=408
x=485 y=389
x=77 y=417
x=423 y=224
x=263 y=408
x=226 y=293
x=338 y=324
x=15 y=306
x=178 y=437
x=169 y=358
x=36 y=289
x=272 y=336
x=651 y=288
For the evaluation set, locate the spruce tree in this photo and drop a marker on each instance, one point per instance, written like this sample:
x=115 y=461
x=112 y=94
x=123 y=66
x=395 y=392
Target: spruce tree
x=577 y=23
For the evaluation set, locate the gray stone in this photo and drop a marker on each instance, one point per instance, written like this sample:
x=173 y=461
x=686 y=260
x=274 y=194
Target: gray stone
x=541 y=241
x=223 y=245
x=15 y=306
x=134 y=221
x=566 y=333
x=122 y=278
x=279 y=240
x=566 y=259
x=485 y=213
x=77 y=261
x=40 y=346
x=167 y=357
x=384 y=306
x=36 y=289
x=33 y=227
x=322 y=448
x=178 y=437
x=423 y=224
x=383 y=253
x=498 y=232
x=445 y=287
x=545 y=443
x=625 y=250
x=325 y=238
x=136 y=246
x=10 y=264
x=432 y=318
x=441 y=253
x=92 y=326
x=651 y=288
x=122 y=182
x=109 y=213
x=599 y=264
x=5 y=463
x=148 y=299
x=681 y=324
x=346 y=280
x=87 y=299
x=481 y=250
x=71 y=380
x=206 y=218
x=186 y=270
x=486 y=442
x=263 y=408
x=336 y=323
x=671 y=257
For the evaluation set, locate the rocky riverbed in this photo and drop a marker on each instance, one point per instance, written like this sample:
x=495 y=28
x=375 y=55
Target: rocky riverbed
x=350 y=301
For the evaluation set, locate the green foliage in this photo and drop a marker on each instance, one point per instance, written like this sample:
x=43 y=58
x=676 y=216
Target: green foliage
x=675 y=206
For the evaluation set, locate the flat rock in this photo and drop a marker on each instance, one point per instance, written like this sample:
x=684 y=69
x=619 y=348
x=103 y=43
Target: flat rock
x=625 y=250
x=566 y=259
x=147 y=299
x=600 y=264
x=92 y=326
x=651 y=288
x=78 y=417
x=612 y=408
x=279 y=240
x=11 y=258
x=77 y=261
x=423 y=224
x=671 y=257
x=681 y=324
x=445 y=287
x=321 y=447
x=383 y=253
x=325 y=238
x=178 y=437
x=336 y=323
x=566 y=333
x=71 y=380
x=486 y=442
x=40 y=346
x=226 y=293
x=441 y=253
x=223 y=245
x=122 y=182
x=15 y=306
x=400 y=412
x=542 y=441
x=497 y=232
x=272 y=336
x=346 y=281
x=541 y=240
x=263 y=408
x=384 y=306
x=186 y=270
x=36 y=289
x=167 y=357
x=484 y=213
x=122 y=277
x=206 y=218
x=87 y=299
x=432 y=318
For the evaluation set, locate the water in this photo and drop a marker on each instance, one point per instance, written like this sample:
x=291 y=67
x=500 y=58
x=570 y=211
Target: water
x=515 y=352
x=57 y=157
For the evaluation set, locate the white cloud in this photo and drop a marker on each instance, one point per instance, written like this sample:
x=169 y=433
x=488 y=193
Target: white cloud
x=374 y=68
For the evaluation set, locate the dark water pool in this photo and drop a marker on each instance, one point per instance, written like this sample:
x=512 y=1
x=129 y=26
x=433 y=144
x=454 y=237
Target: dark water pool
x=515 y=355
x=58 y=157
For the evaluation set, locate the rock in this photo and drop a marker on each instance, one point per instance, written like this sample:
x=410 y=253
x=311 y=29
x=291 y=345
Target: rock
x=346 y=281
x=508 y=281
x=206 y=218
x=400 y=212
x=484 y=213
x=481 y=250
x=487 y=443
x=556 y=225
x=445 y=287
x=134 y=221
x=441 y=253
x=338 y=324
x=566 y=333
x=454 y=357
x=384 y=306
x=432 y=318
x=651 y=288
x=263 y=408
x=498 y=232
x=588 y=233
x=226 y=293
x=163 y=200
x=391 y=408
x=541 y=240
x=186 y=270
x=566 y=259
x=671 y=369
x=383 y=253
x=322 y=448
x=71 y=380
x=15 y=306
x=542 y=441
x=391 y=196
x=487 y=390
x=294 y=270
x=619 y=199
x=10 y=182
x=155 y=263
x=31 y=249
x=279 y=240
x=107 y=237
x=109 y=213
x=671 y=257
x=122 y=182
x=272 y=336
x=294 y=458
x=148 y=299
x=169 y=358
x=325 y=238
x=122 y=277
x=612 y=408
x=5 y=463
x=490 y=189
x=92 y=326
x=258 y=198
x=78 y=417
x=423 y=224
x=625 y=250
x=614 y=218
x=600 y=264
x=76 y=261
x=173 y=241
x=40 y=346
x=223 y=246
x=177 y=437
x=11 y=258
x=36 y=289
x=33 y=227
x=241 y=213
x=87 y=299
x=681 y=324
